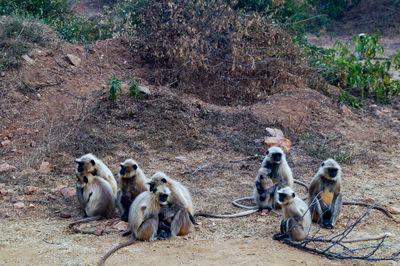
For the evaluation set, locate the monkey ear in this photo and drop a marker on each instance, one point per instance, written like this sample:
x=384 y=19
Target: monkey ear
x=293 y=195
x=164 y=180
x=267 y=152
x=151 y=186
x=85 y=179
x=92 y=162
x=135 y=167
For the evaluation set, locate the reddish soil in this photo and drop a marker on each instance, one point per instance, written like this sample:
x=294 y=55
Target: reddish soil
x=52 y=111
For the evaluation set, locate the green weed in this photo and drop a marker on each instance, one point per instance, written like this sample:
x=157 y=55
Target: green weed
x=115 y=85
x=360 y=79
x=134 y=89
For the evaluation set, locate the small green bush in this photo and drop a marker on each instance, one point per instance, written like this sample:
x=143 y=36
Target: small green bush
x=115 y=85
x=134 y=89
x=37 y=8
x=360 y=79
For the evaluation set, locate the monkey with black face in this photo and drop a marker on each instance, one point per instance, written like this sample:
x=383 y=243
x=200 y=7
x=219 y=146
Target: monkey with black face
x=98 y=199
x=178 y=215
x=144 y=217
x=275 y=168
x=265 y=193
x=131 y=181
x=90 y=164
x=296 y=218
x=325 y=198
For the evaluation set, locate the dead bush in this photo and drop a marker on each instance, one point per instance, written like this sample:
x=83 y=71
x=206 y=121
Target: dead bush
x=206 y=47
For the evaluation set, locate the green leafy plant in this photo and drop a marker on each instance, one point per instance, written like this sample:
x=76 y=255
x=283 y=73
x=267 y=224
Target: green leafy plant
x=115 y=85
x=134 y=89
x=360 y=79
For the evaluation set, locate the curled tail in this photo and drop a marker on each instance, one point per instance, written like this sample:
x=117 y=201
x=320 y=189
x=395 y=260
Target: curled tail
x=111 y=251
x=240 y=214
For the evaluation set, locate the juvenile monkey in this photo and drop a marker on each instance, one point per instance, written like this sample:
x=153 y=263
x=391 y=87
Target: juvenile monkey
x=98 y=199
x=325 y=199
x=296 y=220
x=131 y=181
x=265 y=194
x=144 y=217
x=179 y=212
x=90 y=164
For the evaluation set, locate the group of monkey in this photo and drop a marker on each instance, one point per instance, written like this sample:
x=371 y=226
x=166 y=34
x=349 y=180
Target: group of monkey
x=162 y=208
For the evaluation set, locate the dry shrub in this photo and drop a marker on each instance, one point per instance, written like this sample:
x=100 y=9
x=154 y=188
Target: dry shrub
x=206 y=47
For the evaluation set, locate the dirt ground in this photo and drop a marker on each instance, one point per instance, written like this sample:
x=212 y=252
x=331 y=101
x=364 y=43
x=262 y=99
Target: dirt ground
x=52 y=111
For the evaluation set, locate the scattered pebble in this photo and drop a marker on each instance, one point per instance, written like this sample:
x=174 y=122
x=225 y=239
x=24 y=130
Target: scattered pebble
x=51 y=197
x=30 y=189
x=5 y=167
x=65 y=214
x=68 y=192
x=44 y=167
x=19 y=205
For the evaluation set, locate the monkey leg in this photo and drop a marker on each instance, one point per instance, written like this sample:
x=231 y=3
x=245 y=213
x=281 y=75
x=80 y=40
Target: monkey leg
x=284 y=232
x=79 y=194
x=181 y=223
x=330 y=216
x=125 y=204
x=295 y=230
x=148 y=229
x=316 y=210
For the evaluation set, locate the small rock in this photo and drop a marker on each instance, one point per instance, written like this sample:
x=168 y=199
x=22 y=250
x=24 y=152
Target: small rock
x=346 y=110
x=144 y=90
x=274 y=132
x=28 y=59
x=30 y=189
x=260 y=220
x=98 y=230
x=283 y=143
x=5 y=142
x=380 y=114
x=68 y=192
x=2 y=74
x=44 y=167
x=106 y=66
x=370 y=201
x=73 y=60
x=31 y=207
x=51 y=197
x=19 y=205
x=20 y=131
x=65 y=214
x=121 y=226
x=180 y=159
x=10 y=191
x=394 y=210
x=5 y=167
x=3 y=191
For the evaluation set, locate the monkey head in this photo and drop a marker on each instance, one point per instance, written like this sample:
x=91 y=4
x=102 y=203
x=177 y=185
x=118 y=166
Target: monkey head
x=128 y=169
x=330 y=169
x=159 y=179
x=85 y=165
x=275 y=156
x=161 y=193
x=285 y=195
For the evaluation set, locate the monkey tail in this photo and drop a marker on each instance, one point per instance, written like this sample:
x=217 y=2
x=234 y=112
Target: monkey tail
x=111 y=251
x=237 y=204
x=86 y=220
x=304 y=185
x=379 y=237
x=388 y=214
x=240 y=214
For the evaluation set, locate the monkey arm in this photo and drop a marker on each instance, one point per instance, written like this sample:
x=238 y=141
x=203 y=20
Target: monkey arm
x=259 y=187
x=79 y=194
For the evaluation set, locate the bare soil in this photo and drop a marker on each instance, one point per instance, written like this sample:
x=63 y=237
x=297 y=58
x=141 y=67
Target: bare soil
x=52 y=111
